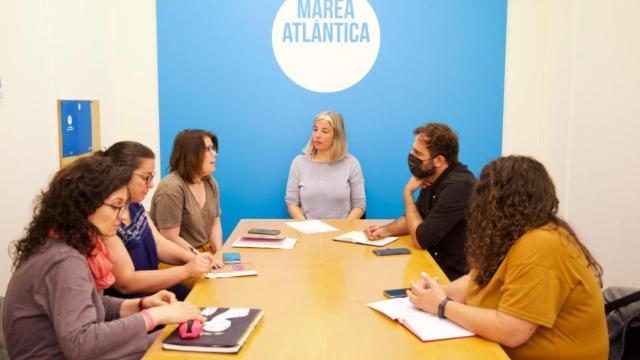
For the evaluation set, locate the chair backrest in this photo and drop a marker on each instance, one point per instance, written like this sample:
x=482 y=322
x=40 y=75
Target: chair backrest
x=3 y=344
x=622 y=307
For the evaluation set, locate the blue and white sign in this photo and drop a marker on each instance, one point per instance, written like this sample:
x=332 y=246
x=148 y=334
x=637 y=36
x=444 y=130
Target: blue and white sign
x=326 y=46
x=75 y=118
x=256 y=73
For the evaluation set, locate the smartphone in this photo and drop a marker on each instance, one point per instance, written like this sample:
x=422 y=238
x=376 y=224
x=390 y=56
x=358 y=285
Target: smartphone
x=396 y=293
x=231 y=258
x=395 y=251
x=264 y=231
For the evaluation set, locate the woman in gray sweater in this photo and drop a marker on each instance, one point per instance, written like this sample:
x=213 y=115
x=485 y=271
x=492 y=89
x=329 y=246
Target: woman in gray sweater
x=54 y=306
x=326 y=182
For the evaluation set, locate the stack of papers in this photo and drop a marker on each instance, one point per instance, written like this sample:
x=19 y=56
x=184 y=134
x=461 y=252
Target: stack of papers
x=424 y=325
x=286 y=243
x=233 y=270
x=358 y=237
x=311 y=226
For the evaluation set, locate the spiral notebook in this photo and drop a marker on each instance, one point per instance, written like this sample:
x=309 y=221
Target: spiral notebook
x=225 y=331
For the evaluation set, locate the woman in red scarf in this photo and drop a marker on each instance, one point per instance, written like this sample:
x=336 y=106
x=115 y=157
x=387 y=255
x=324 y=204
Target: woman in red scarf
x=54 y=302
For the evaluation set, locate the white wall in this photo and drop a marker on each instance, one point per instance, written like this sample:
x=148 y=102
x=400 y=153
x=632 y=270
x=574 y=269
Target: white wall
x=572 y=100
x=571 y=89
x=64 y=49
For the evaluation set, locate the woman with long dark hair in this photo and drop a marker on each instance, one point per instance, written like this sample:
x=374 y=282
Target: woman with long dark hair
x=533 y=286
x=54 y=306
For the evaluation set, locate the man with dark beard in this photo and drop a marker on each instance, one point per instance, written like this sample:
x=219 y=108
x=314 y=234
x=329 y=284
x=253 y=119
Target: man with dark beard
x=436 y=221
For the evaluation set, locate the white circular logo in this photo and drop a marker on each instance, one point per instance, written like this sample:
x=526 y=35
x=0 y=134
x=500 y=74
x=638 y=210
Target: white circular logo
x=326 y=45
x=69 y=120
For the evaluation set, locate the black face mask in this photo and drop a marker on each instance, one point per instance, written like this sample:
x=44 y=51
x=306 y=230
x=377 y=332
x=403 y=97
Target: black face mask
x=416 y=168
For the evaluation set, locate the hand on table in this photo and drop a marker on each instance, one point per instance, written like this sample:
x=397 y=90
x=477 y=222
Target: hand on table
x=376 y=232
x=200 y=264
x=176 y=312
x=426 y=294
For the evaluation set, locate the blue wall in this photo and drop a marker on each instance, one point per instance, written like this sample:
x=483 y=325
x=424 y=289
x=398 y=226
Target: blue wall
x=438 y=61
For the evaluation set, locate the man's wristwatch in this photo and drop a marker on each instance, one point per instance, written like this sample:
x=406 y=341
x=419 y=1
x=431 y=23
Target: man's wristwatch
x=441 y=307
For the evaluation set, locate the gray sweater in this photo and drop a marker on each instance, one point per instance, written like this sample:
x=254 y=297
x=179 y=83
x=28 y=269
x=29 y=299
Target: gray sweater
x=53 y=311
x=325 y=190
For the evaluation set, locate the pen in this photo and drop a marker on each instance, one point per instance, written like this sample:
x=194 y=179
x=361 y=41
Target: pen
x=424 y=275
x=193 y=250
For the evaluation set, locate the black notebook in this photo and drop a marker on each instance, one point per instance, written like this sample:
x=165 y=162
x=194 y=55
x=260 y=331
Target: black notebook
x=225 y=331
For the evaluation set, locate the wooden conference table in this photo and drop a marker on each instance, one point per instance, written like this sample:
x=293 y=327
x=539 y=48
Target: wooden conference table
x=314 y=297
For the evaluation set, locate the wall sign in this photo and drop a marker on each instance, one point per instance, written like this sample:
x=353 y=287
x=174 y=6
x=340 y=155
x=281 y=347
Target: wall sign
x=78 y=127
x=326 y=45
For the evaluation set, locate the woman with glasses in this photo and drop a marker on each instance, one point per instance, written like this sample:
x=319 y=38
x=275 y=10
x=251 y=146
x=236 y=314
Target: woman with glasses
x=54 y=306
x=139 y=246
x=533 y=286
x=186 y=205
x=326 y=182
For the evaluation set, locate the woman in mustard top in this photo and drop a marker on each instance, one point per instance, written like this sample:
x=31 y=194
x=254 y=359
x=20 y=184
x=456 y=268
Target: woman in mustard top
x=533 y=287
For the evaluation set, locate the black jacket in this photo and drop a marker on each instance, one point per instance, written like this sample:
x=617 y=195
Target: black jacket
x=443 y=206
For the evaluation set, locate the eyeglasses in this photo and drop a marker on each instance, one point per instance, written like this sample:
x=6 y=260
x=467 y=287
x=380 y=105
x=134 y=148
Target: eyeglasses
x=148 y=178
x=210 y=148
x=119 y=209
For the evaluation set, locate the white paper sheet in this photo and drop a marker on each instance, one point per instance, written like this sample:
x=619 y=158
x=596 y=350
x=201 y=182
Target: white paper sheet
x=311 y=226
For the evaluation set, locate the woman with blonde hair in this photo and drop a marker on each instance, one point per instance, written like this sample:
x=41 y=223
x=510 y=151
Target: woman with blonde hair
x=326 y=182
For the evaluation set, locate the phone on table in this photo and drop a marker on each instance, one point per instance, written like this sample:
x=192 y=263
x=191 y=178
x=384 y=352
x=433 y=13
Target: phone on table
x=231 y=258
x=396 y=293
x=264 y=231
x=394 y=251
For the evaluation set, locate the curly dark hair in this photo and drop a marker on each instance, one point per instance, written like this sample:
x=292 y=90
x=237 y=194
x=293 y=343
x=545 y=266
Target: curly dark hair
x=514 y=194
x=74 y=193
x=440 y=140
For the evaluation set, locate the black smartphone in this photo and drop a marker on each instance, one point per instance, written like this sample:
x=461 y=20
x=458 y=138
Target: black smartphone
x=395 y=251
x=395 y=293
x=264 y=231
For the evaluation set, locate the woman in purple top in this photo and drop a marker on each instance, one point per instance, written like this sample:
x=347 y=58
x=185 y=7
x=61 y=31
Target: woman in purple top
x=326 y=182
x=54 y=306
x=138 y=246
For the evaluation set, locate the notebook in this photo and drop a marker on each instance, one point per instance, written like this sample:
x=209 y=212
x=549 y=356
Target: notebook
x=263 y=238
x=358 y=237
x=287 y=243
x=225 y=331
x=233 y=270
x=425 y=326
